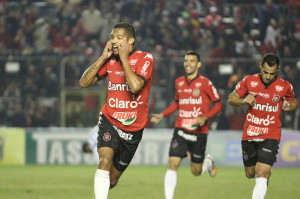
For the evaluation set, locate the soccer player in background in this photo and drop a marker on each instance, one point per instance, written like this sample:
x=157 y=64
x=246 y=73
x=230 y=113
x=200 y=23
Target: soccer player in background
x=124 y=116
x=90 y=146
x=266 y=95
x=193 y=95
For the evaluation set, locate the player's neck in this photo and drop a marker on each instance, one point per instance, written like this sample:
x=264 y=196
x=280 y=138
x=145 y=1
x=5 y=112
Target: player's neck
x=192 y=76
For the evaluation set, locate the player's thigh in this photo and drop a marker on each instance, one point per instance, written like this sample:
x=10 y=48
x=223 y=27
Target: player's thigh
x=178 y=146
x=267 y=152
x=115 y=174
x=197 y=148
x=250 y=155
x=196 y=168
x=174 y=163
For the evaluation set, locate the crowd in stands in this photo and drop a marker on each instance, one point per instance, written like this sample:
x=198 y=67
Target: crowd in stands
x=46 y=45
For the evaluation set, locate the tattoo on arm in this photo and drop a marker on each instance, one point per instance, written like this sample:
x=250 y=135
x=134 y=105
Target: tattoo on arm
x=91 y=69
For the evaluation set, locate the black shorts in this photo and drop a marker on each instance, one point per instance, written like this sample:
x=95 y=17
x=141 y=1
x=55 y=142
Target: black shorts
x=261 y=151
x=184 y=141
x=123 y=143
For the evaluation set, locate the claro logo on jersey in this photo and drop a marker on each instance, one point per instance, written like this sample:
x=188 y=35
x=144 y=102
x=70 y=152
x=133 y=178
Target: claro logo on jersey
x=188 y=114
x=144 y=68
x=117 y=103
x=117 y=87
x=126 y=118
x=256 y=120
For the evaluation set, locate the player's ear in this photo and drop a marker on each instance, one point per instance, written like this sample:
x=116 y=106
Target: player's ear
x=131 y=40
x=199 y=65
x=260 y=65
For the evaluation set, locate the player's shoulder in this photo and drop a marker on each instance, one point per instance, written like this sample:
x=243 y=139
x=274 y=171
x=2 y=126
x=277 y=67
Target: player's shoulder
x=204 y=80
x=283 y=82
x=180 y=80
x=144 y=54
x=254 y=77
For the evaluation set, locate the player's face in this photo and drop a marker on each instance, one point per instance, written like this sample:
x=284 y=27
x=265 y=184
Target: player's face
x=117 y=36
x=191 y=64
x=268 y=73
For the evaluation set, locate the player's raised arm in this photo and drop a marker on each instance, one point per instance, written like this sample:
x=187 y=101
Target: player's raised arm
x=89 y=76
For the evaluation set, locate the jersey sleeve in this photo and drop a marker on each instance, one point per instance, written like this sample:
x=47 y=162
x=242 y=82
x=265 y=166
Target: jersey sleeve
x=241 y=87
x=145 y=66
x=102 y=72
x=212 y=92
x=290 y=95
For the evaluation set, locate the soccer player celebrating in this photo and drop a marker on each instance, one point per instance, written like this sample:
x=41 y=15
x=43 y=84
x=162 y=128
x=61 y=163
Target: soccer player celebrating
x=266 y=95
x=193 y=95
x=124 y=116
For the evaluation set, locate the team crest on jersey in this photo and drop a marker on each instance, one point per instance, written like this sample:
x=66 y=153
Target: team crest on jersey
x=196 y=92
x=253 y=84
x=276 y=98
x=198 y=84
x=112 y=62
x=278 y=88
x=106 y=136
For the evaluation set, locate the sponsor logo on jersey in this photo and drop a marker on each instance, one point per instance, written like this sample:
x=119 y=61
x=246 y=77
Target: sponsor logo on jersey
x=187 y=136
x=190 y=100
x=266 y=107
x=122 y=134
x=106 y=136
x=260 y=121
x=189 y=114
x=278 y=88
x=144 y=68
x=117 y=103
x=132 y=61
x=256 y=131
x=198 y=84
x=126 y=118
x=119 y=73
x=181 y=83
x=253 y=84
x=196 y=92
x=112 y=62
x=149 y=56
x=215 y=92
x=276 y=98
x=189 y=124
x=264 y=95
x=179 y=91
x=187 y=90
x=117 y=87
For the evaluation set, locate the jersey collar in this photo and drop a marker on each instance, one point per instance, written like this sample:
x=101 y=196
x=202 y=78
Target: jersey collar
x=189 y=82
x=132 y=51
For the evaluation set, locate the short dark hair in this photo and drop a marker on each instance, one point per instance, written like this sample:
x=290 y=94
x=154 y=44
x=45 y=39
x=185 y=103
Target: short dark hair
x=129 y=29
x=194 y=53
x=270 y=59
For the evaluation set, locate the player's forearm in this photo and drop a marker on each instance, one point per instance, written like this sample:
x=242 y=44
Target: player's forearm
x=235 y=100
x=134 y=82
x=171 y=109
x=214 y=110
x=89 y=74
